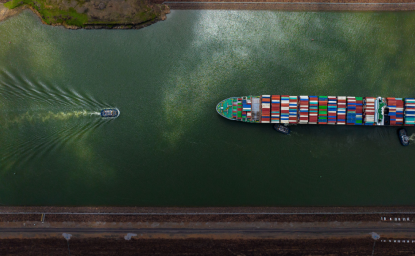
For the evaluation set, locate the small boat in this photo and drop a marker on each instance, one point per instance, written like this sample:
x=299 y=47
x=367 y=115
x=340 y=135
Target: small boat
x=282 y=129
x=110 y=112
x=403 y=137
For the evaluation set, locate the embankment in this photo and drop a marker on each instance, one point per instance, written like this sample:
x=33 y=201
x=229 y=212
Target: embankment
x=91 y=14
x=133 y=14
x=207 y=231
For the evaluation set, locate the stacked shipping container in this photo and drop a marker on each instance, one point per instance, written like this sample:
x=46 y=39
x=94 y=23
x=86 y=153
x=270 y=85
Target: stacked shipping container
x=369 y=110
x=313 y=110
x=239 y=113
x=266 y=107
x=392 y=110
x=410 y=111
x=246 y=108
x=293 y=109
x=399 y=111
x=246 y=104
x=275 y=108
x=322 y=109
x=234 y=108
x=341 y=110
x=359 y=111
x=285 y=109
x=332 y=110
x=351 y=110
x=303 y=115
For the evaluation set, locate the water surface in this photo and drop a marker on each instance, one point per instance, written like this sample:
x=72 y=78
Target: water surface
x=169 y=147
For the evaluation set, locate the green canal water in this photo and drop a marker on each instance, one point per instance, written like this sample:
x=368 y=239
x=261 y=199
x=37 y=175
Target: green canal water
x=169 y=147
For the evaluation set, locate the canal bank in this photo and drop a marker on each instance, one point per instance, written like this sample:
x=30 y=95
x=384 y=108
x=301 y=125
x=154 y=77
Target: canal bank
x=106 y=14
x=397 y=215
x=207 y=231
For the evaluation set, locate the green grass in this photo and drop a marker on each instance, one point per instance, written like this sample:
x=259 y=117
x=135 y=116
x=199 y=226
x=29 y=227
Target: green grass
x=52 y=14
x=15 y=3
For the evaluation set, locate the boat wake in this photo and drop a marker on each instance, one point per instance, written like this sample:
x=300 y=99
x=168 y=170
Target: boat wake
x=11 y=118
x=20 y=151
x=412 y=137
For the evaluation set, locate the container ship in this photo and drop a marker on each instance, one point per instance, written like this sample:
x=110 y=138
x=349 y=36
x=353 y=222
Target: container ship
x=327 y=110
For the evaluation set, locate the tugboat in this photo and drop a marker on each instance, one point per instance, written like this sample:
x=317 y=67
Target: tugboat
x=110 y=112
x=282 y=129
x=403 y=137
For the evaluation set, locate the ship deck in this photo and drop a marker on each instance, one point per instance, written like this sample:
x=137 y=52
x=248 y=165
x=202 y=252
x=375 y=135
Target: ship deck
x=225 y=108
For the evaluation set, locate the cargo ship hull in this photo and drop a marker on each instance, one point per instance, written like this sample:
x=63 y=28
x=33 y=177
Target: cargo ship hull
x=327 y=110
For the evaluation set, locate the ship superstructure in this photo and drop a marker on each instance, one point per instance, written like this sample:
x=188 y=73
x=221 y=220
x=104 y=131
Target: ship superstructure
x=330 y=110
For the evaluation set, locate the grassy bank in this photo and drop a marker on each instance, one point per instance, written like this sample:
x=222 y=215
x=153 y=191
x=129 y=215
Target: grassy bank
x=90 y=13
x=51 y=14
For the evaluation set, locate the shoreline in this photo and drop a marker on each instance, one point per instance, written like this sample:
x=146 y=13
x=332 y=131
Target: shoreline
x=6 y=13
x=166 y=6
x=106 y=14
x=207 y=231
x=208 y=214
x=207 y=210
